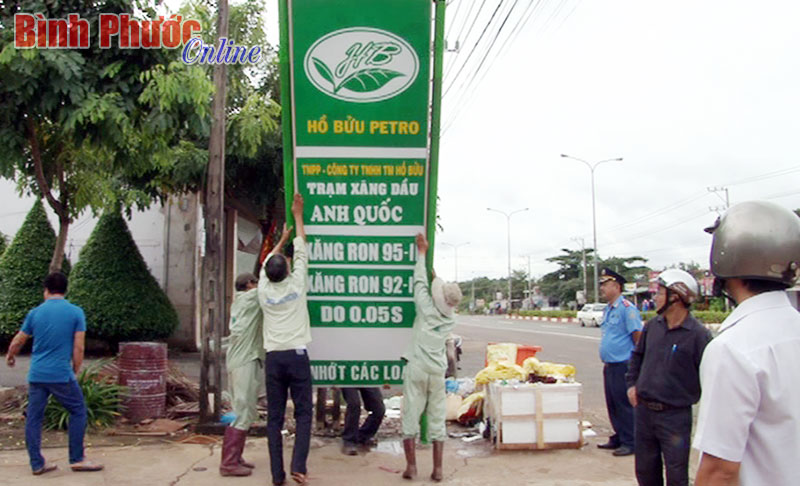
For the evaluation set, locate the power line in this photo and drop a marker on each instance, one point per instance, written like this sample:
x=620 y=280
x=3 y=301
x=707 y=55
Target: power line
x=465 y=97
x=455 y=16
x=659 y=230
x=491 y=45
x=768 y=175
x=474 y=20
x=473 y=48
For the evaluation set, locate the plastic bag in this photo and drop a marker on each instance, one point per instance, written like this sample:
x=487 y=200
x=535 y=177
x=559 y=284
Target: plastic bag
x=501 y=352
x=561 y=372
x=503 y=370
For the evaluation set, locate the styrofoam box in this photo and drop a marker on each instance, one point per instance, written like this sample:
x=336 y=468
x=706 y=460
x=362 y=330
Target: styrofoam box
x=522 y=430
x=514 y=408
x=521 y=400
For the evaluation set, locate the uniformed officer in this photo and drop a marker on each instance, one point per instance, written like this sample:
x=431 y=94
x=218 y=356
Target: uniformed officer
x=621 y=328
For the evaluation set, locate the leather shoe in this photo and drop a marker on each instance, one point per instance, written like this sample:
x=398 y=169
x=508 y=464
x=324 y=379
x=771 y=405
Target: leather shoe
x=349 y=449
x=608 y=445
x=622 y=451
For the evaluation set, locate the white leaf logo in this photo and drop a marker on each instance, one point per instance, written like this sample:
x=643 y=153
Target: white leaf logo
x=361 y=64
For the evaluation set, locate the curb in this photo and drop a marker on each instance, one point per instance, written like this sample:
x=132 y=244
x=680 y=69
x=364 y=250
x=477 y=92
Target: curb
x=574 y=320
x=569 y=320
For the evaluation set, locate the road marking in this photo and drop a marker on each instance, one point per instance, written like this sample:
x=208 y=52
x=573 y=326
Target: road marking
x=550 y=326
x=531 y=331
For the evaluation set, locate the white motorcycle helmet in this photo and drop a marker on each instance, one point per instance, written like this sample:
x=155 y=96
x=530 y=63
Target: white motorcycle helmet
x=681 y=283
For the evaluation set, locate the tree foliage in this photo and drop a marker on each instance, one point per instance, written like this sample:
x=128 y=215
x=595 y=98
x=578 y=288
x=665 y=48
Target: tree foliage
x=562 y=283
x=84 y=128
x=111 y=282
x=23 y=267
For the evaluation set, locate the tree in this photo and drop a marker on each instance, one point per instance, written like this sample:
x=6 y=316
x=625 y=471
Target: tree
x=113 y=285
x=253 y=156
x=627 y=267
x=3 y=243
x=23 y=267
x=82 y=128
x=564 y=282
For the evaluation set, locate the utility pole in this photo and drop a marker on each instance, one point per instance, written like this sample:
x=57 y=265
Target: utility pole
x=718 y=210
x=578 y=239
x=592 y=167
x=213 y=312
x=529 y=280
x=455 y=249
x=508 y=222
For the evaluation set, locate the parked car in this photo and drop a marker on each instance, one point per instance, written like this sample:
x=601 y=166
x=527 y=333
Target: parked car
x=591 y=314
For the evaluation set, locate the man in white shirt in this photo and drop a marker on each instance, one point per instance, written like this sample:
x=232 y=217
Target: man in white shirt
x=287 y=332
x=748 y=429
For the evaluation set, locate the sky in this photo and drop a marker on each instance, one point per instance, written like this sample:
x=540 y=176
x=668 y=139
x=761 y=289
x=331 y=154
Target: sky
x=690 y=94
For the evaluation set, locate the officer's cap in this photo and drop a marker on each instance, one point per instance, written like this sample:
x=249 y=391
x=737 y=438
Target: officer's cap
x=606 y=274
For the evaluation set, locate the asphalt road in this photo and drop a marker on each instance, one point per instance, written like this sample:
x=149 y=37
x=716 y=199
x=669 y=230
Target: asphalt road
x=560 y=342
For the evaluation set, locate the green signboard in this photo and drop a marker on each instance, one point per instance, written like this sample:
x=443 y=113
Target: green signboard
x=357 y=132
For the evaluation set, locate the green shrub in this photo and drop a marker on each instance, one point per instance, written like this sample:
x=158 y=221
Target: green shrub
x=706 y=317
x=102 y=395
x=112 y=284
x=3 y=243
x=540 y=313
x=23 y=267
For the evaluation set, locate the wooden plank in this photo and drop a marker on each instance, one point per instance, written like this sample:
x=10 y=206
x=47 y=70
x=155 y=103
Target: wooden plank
x=539 y=420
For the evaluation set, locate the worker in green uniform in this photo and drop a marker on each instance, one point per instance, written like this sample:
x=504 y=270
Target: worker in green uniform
x=426 y=363
x=244 y=362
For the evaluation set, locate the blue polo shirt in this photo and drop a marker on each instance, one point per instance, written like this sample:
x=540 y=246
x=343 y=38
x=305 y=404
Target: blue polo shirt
x=620 y=320
x=53 y=325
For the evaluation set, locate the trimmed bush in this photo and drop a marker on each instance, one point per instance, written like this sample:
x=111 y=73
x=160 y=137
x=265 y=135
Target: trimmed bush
x=112 y=284
x=23 y=267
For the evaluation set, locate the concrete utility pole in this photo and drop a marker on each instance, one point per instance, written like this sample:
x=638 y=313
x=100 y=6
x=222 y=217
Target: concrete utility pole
x=583 y=257
x=720 y=211
x=455 y=249
x=508 y=221
x=213 y=313
x=592 y=167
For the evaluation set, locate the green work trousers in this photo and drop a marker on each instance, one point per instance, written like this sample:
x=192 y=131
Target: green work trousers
x=244 y=381
x=423 y=392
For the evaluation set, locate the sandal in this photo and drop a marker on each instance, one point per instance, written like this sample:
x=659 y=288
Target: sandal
x=300 y=478
x=86 y=466
x=45 y=469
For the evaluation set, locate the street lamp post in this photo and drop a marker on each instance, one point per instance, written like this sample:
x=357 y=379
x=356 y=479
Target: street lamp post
x=592 y=167
x=508 y=221
x=455 y=249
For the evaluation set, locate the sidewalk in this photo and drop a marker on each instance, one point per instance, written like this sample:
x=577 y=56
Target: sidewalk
x=166 y=463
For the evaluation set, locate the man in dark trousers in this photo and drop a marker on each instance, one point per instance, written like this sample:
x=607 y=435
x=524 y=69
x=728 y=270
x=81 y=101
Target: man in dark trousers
x=664 y=382
x=621 y=329
x=287 y=331
x=353 y=435
x=58 y=329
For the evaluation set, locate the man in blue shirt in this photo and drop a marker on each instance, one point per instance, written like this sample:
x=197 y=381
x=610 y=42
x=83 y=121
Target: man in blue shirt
x=621 y=328
x=58 y=329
